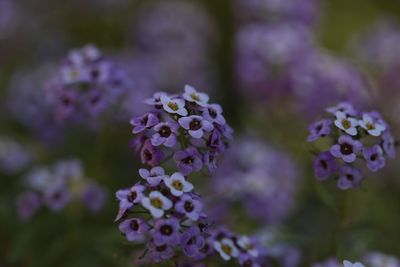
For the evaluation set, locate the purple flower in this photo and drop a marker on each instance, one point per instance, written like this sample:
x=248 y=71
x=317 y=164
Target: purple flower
x=129 y=198
x=57 y=197
x=374 y=157
x=192 y=242
x=373 y=126
x=319 y=129
x=247 y=245
x=192 y=95
x=349 y=178
x=156 y=99
x=134 y=229
x=166 y=232
x=159 y=253
x=177 y=184
x=196 y=125
x=173 y=105
x=343 y=107
x=346 y=149
x=146 y=121
x=165 y=134
x=213 y=113
x=246 y=260
x=211 y=160
x=188 y=160
x=389 y=144
x=324 y=165
x=154 y=176
x=28 y=204
x=151 y=155
x=190 y=206
x=346 y=123
x=94 y=197
x=215 y=141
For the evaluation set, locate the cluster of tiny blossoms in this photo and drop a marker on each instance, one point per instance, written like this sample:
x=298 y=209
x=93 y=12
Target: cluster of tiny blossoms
x=185 y=127
x=58 y=185
x=354 y=138
x=162 y=210
x=87 y=84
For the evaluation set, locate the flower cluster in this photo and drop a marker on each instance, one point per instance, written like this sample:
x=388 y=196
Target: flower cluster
x=56 y=186
x=87 y=84
x=354 y=138
x=14 y=157
x=185 y=127
x=163 y=210
x=263 y=179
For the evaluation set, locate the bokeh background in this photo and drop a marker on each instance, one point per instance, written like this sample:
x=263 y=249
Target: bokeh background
x=273 y=67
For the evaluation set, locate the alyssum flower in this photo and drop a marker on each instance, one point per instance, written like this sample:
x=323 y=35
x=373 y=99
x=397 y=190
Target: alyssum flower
x=355 y=137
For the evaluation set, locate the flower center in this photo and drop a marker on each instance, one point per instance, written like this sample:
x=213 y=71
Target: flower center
x=195 y=125
x=226 y=249
x=165 y=131
x=212 y=112
x=323 y=164
x=177 y=185
x=147 y=155
x=346 y=149
x=166 y=230
x=173 y=106
x=188 y=160
x=189 y=207
x=195 y=96
x=248 y=263
x=350 y=177
x=374 y=157
x=156 y=202
x=370 y=126
x=134 y=225
x=161 y=248
x=318 y=128
x=346 y=123
x=144 y=120
x=132 y=196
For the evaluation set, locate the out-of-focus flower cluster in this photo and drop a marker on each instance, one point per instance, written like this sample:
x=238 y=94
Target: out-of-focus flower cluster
x=263 y=179
x=56 y=186
x=353 y=139
x=87 y=85
x=14 y=157
x=371 y=259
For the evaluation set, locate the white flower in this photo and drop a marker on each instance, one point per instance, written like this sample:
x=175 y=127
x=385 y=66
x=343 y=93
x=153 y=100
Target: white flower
x=372 y=126
x=173 y=105
x=226 y=249
x=346 y=123
x=156 y=203
x=74 y=74
x=91 y=52
x=245 y=243
x=177 y=184
x=192 y=95
x=349 y=264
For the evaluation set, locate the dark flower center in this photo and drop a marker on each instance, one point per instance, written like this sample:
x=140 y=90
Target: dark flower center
x=188 y=160
x=323 y=164
x=212 y=112
x=66 y=101
x=195 y=125
x=318 y=128
x=147 y=155
x=192 y=240
x=350 y=177
x=165 y=131
x=346 y=149
x=247 y=263
x=374 y=157
x=166 y=230
x=205 y=248
x=95 y=99
x=95 y=74
x=189 y=207
x=132 y=196
x=144 y=120
x=161 y=248
x=134 y=225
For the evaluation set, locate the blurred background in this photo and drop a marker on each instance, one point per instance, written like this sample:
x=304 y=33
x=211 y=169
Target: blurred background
x=273 y=65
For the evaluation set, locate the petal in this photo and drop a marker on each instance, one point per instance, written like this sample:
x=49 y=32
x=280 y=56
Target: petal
x=185 y=122
x=196 y=134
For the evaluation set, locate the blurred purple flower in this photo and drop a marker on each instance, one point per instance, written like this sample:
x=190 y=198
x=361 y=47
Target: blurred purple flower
x=94 y=197
x=319 y=129
x=28 y=204
x=324 y=165
x=188 y=160
x=374 y=157
x=349 y=178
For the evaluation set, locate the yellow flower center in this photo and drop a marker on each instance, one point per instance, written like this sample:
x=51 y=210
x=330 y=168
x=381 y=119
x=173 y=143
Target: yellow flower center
x=156 y=202
x=195 y=96
x=370 y=126
x=226 y=249
x=177 y=185
x=346 y=123
x=173 y=106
